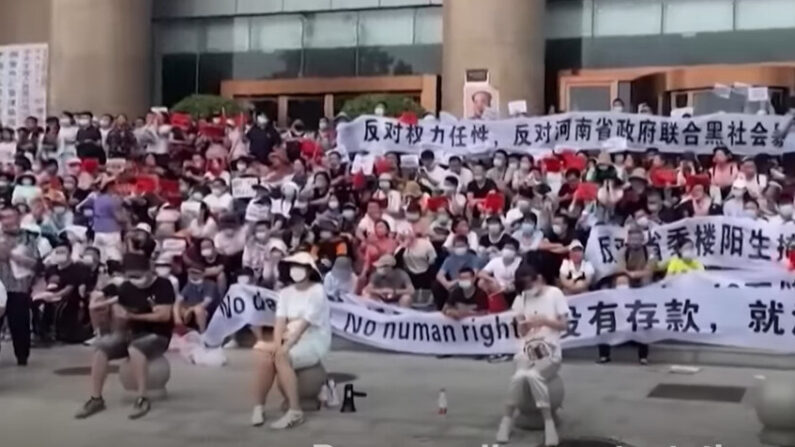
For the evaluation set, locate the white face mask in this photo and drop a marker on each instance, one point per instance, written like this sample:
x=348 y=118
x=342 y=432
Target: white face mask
x=207 y=253
x=494 y=228
x=297 y=274
x=65 y=122
x=262 y=120
x=197 y=197
x=218 y=191
x=785 y=211
x=84 y=122
x=465 y=283
x=738 y=193
x=322 y=125
x=163 y=272
x=379 y=111
x=334 y=205
x=244 y=279
x=412 y=217
x=499 y=162
x=261 y=236
x=622 y=286
x=59 y=258
x=508 y=254
x=384 y=185
x=618 y=109
x=643 y=221
x=557 y=229
x=460 y=251
x=349 y=214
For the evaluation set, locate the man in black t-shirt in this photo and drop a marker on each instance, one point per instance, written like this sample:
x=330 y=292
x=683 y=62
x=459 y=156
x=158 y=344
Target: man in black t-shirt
x=60 y=307
x=144 y=319
x=466 y=298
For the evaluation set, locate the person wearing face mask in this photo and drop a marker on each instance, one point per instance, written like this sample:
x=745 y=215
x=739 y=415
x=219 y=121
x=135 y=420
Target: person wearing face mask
x=699 y=203
x=417 y=255
x=617 y=106
x=58 y=309
x=389 y=284
x=723 y=172
x=542 y=315
x=8 y=147
x=89 y=139
x=301 y=339
x=466 y=299
x=461 y=227
x=296 y=131
x=220 y=200
x=734 y=205
x=26 y=189
x=263 y=138
x=230 y=240
x=498 y=172
x=211 y=262
x=479 y=187
x=326 y=137
x=121 y=141
x=528 y=235
x=785 y=211
x=203 y=226
x=333 y=211
x=622 y=281
x=685 y=260
x=459 y=257
x=328 y=245
x=752 y=211
x=256 y=250
x=269 y=276
x=60 y=216
x=492 y=241
x=769 y=199
x=105 y=124
x=197 y=300
x=366 y=226
x=340 y=280
x=145 y=311
x=754 y=180
x=102 y=299
x=576 y=274
x=456 y=168
x=430 y=174
x=497 y=276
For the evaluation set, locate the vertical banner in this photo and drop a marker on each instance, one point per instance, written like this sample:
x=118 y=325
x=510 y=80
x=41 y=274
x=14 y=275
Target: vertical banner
x=23 y=83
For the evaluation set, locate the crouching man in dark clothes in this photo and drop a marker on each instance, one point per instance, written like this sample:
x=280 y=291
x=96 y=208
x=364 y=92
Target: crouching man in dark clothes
x=143 y=324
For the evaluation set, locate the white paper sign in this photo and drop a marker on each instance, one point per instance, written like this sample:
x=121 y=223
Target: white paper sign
x=758 y=94
x=681 y=112
x=517 y=107
x=721 y=91
x=243 y=187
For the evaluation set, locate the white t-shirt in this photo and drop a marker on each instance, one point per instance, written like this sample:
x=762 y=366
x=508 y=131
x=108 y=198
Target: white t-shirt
x=312 y=306
x=502 y=272
x=3 y=295
x=472 y=241
x=367 y=224
x=733 y=208
x=570 y=271
x=219 y=204
x=551 y=303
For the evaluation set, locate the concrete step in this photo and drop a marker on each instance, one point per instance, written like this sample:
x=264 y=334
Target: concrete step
x=661 y=353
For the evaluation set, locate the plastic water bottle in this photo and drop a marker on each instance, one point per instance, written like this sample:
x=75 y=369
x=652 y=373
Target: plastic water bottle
x=442 y=402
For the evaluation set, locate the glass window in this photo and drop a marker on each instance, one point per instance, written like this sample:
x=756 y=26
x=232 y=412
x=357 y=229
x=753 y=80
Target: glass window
x=428 y=26
x=592 y=98
x=389 y=3
x=177 y=37
x=329 y=62
x=626 y=17
x=756 y=14
x=178 y=74
x=282 y=32
x=386 y=27
x=332 y=30
x=271 y=65
x=567 y=19
x=694 y=16
x=227 y=35
x=706 y=102
x=214 y=68
x=400 y=60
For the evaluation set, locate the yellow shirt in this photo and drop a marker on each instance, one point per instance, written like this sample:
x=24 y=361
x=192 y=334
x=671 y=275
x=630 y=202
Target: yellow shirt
x=677 y=266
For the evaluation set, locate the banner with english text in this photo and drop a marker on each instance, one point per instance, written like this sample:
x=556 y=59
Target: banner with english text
x=748 y=309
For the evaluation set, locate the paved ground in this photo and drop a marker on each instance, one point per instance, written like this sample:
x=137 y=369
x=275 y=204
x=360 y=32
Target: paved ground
x=211 y=406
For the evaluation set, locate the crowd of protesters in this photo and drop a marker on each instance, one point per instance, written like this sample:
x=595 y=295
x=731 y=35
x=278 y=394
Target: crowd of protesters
x=89 y=204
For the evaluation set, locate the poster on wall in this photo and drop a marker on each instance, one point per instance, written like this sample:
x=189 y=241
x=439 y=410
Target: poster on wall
x=481 y=101
x=23 y=83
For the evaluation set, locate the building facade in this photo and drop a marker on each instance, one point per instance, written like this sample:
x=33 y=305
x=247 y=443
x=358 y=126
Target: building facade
x=295 y=58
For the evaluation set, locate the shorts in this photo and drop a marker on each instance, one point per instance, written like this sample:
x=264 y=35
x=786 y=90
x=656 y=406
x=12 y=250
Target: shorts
x=115 y=345
x=303 y=355
x=109 y=246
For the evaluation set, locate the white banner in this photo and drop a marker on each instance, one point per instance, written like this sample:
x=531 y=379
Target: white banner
x=243 y=187
x=743 y=134
x=23 y=83
x=728 y=242
x=699 y=307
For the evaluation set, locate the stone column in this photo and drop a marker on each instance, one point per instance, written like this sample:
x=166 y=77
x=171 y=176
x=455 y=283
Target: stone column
x=24 y=22
x=504 y=36
x=100 y=56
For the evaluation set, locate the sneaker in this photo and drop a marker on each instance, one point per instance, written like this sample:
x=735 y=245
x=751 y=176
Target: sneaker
x=140 y=408
x=504 y=432
x=91 y=341
x=91 y=407
x=643 y=362
x=290 y=419
x=258 y=416
x=603 y=360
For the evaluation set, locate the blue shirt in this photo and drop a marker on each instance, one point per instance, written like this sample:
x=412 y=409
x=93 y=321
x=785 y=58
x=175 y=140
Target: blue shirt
x=454 y=263
x=193 y=294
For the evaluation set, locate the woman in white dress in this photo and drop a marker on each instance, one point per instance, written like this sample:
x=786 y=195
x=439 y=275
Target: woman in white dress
x=301 y=338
